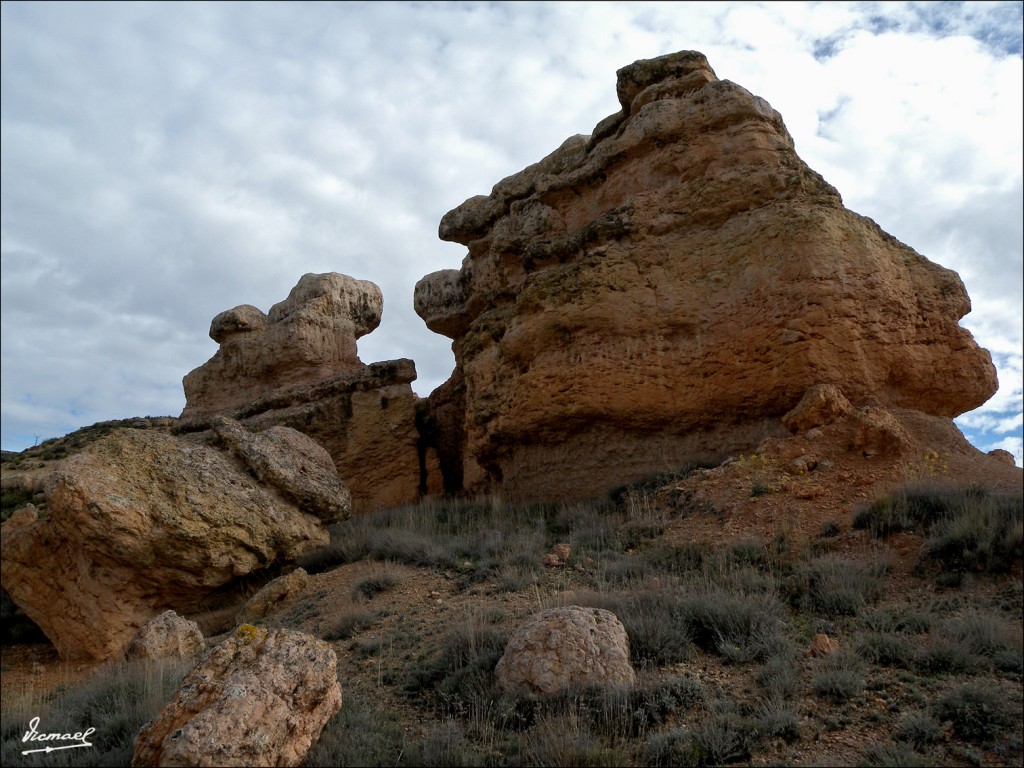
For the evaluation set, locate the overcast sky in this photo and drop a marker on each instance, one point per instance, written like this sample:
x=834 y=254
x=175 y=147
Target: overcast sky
x=162 y=162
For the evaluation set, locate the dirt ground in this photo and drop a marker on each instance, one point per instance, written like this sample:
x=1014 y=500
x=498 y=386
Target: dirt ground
x=788 y=490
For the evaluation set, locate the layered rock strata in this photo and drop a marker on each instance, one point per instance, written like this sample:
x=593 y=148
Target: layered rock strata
x=297 y=367
x=141 y=522
x=668 y=288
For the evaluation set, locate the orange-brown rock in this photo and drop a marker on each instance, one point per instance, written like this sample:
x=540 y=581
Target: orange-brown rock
x=822 y=645
x=297 y=367
x=668 y=288
x=309 y=336
x=259 y=698
x=143 y=521
x=822 y=404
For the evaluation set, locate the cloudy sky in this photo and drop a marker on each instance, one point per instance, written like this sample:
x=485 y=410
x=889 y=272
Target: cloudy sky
x=162 y=162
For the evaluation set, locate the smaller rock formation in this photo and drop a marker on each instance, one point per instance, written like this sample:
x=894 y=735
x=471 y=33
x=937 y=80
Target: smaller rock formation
x=309 y=336
x=143 y=521
x=879 y=432
x=297 y=367
x=273 y=594
x=1004 y=456
x=821 y=405
x=167 y=636
x=566 y=647
x=259 y=698
x=293 y=464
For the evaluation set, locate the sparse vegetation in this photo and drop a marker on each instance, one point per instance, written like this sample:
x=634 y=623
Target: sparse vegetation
x=117 y=701
x=979 y=711
x=967 y=528
x=742 y=612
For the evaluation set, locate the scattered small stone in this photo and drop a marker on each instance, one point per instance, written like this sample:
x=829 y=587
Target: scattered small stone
x=822 y=645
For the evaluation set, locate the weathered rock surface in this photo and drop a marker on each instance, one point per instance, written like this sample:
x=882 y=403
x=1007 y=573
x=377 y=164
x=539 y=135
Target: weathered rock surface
x=822 y=645
x=259 y=698
x=566 y=647
x=822 y=404
x=167 y=636
x=140 y=522
x=271 y=595
x=668 y=289
x=297 y=367
x=309 y=336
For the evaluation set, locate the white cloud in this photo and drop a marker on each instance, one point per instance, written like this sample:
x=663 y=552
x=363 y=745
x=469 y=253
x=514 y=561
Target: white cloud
x=164 y=162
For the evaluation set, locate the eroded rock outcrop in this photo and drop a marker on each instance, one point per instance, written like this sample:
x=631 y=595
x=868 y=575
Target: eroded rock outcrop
x=667 y=289
x=140 y=522
x=297 y=367
x=566 y=647
x=309 y=336
x=261 y=697
x=272 y=595
x=167 y=636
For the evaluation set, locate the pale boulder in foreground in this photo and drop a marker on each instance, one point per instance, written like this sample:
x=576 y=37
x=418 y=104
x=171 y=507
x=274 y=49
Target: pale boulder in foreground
x=564 y=648
x=261 y=697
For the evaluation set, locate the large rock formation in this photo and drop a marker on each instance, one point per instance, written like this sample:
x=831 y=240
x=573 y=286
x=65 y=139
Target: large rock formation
x=297 y=366
x=667 y=289
x=140 y=522
x=259 y=698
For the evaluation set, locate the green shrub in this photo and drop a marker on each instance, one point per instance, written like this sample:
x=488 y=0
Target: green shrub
x=750 y=552
x=11 y=500
x=912 y=507
x=779 y=721
x=654 y=622
x=677 y=560
x=565 y=739
x=886 y=649
x=919 y=729
x=832 y=586
x=462 y=670
x=361 y=733
x=942 y=654
x=967 y=642
x=737 y=626
x=978 y=710
x=829 y=529
x=968 y=527
x=778 y=676
x=370 y=587
x=721 y=739
x=894 y=756
x=349 y=624
x=839 y=676
x=624 y=571
x=445 y=744
x=984 y=536
x=116 y=700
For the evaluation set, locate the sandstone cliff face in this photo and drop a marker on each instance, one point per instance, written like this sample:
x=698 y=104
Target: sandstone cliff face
x=140 y=522
x=668 y=288
x=297 y=367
